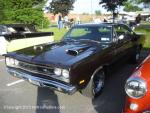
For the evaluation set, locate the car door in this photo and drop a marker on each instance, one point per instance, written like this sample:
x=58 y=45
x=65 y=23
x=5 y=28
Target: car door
x=124 y=42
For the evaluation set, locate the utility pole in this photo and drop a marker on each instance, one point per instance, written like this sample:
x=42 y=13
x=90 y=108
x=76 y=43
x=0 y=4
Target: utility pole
x=91 y=10
x=91 y=7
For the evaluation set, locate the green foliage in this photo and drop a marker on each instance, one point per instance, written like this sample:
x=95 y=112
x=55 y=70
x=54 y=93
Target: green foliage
x=132 y=5
x=111 y=5
x=98 y=12
x=61 y=6
x=145 y=2
x=23 y=11
x=129 y=6
x=1 y=10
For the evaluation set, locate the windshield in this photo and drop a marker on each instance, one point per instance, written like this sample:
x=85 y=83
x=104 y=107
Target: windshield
x=96 y=33
x=3 y=30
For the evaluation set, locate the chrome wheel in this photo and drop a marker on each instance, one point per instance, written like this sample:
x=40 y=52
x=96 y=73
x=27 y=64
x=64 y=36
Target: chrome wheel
x=98 y=82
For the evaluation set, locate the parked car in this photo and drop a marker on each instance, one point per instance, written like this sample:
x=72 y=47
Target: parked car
x=16 y=28
x=79 y=61
x=138 y=89
x=18 y=36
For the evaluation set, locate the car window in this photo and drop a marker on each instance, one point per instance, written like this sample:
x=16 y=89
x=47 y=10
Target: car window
x=122 y=30
x=21 y=29
x=79 y=32
x=12 y=30
x=96 y=33
x=105 y=34
x=2 y=30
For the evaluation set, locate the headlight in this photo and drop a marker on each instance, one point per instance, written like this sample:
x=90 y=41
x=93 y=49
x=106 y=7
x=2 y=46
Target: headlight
x=7 y=61
x=16 y=62
x=65 y=73
x=57 y=71
x=11 y=61
x=136 y=87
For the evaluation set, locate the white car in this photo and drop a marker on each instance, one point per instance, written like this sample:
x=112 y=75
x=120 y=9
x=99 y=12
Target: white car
x=18 y=36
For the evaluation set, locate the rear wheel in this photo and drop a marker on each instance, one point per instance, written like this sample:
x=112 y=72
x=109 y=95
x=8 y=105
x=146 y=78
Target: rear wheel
x=136 y=55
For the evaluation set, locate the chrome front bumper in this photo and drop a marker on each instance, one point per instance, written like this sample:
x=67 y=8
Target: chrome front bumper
x=42 y=82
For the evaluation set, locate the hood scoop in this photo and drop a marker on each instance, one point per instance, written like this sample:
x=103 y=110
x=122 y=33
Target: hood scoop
x=76 y=51
x=72 y=52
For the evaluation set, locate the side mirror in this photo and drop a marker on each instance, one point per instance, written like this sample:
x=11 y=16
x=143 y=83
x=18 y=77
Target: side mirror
x=121 y=37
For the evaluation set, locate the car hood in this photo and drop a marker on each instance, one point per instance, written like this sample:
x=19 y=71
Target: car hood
x=61 y=53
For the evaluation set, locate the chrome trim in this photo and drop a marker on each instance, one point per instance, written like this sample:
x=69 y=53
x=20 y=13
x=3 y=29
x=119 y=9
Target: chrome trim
x=51 y=74
x=69 y=89
x=48 y=67
x=48 y=75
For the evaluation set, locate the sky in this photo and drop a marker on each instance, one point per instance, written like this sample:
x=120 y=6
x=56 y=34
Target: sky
x=87 y=6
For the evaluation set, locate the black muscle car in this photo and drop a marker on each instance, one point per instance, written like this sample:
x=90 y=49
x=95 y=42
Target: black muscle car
x=79 y=61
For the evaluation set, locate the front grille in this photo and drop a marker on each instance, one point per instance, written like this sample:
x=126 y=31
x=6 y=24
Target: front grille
x=36 y=68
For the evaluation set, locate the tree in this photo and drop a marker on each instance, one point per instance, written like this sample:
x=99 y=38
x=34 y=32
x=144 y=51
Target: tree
x=98 y=12
x=129 y=6
x=145 y=2
x=132 y=5
x=61 y=6
x=1 y=10
x=23 y=11
x=112 y=5
x=142 y=1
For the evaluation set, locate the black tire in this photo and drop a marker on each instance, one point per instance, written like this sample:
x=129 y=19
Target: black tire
x=98 y=83
x=95 y=86
x=136 y=56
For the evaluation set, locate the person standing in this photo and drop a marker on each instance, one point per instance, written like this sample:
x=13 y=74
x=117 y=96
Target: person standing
x=66 y=22
x=138 y=19
x=78 y=20
x=59 y=21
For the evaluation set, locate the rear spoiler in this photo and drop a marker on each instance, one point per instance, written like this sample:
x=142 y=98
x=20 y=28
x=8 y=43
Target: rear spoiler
x=14 y=36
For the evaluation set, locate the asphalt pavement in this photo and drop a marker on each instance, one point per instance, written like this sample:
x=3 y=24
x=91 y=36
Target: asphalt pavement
x=18 y=96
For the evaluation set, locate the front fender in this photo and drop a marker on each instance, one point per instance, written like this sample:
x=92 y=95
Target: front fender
x=87 y=91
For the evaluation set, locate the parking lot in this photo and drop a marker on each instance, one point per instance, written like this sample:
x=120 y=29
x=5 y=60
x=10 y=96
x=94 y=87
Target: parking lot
x=18 y=96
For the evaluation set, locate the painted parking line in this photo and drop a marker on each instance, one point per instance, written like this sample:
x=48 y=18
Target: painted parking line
x=16 y=82
x=1 y=60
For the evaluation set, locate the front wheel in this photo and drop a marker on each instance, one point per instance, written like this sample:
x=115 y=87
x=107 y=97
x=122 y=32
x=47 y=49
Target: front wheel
x=98 y=83
x=95 y=86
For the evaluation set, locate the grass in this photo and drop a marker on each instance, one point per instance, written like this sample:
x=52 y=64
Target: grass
x=147 y=34
x=146 y=23
x=58 y=34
